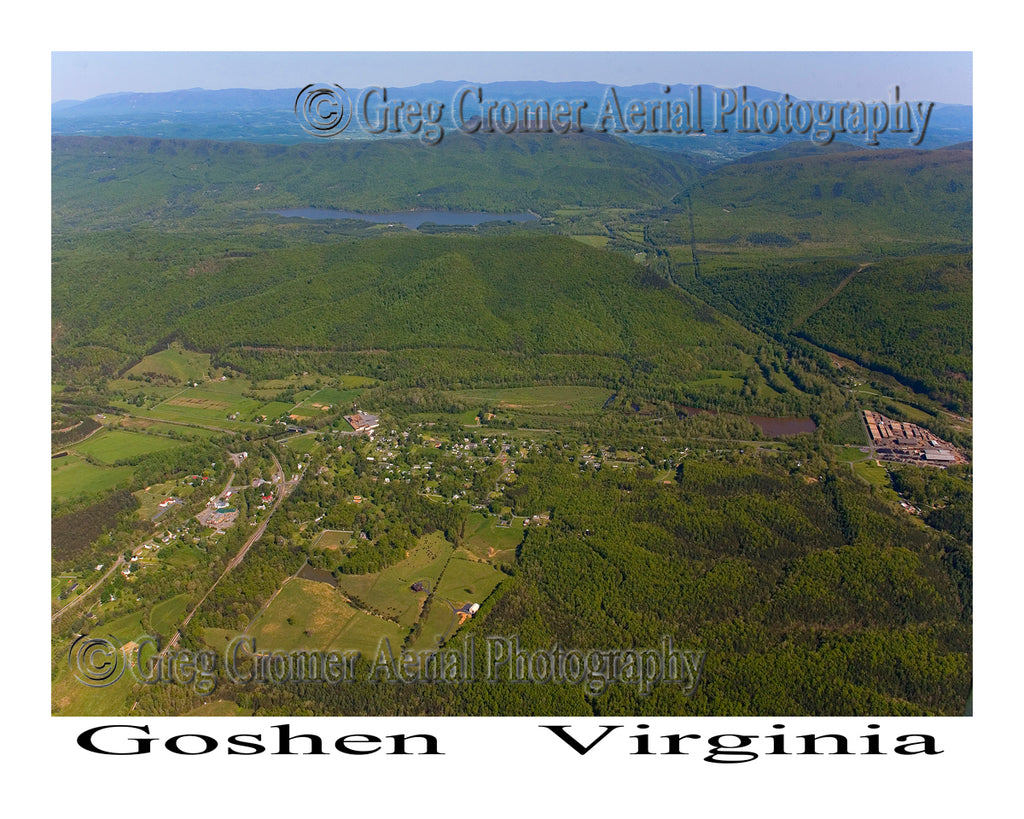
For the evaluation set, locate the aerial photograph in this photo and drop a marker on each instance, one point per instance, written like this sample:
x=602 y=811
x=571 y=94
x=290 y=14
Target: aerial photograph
x=515 y=384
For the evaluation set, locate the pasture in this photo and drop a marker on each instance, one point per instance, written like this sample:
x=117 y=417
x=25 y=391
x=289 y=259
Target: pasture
x=313 y=616
x=73 y=475
x=389 y=590
x=485 y=539
x=467 y=581
x=550 y=400
x=112 y=445
x=332 y=539
x=166 y=615
x=175 y=362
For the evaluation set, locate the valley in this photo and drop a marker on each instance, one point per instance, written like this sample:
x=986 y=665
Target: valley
x=638 y=416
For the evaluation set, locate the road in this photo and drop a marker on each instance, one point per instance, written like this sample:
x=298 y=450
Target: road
x=286 y=489
x=90 y=590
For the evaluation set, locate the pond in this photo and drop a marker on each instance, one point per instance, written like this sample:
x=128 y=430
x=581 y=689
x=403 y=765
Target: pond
x=775 y=427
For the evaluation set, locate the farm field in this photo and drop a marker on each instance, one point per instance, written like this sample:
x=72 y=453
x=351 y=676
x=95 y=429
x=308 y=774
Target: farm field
x=549 y=399
x=467 y=581
x=389 y=591
x=174 y=362
x=877 y=476
x=164 y=428
x=72 y=475
x=112 y=445
x=314 y=616
x=302 y=443
x=486 y=540
x=166 y=615
x=332 y=539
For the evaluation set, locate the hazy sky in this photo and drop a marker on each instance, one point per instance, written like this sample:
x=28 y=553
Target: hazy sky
x=934 y=76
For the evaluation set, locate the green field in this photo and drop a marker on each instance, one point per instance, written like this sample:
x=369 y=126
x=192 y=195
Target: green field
x=850 y=453
x=335 y=399
x=552 y=400
x=304 y=615
x=878 y=476
x=485 y=539
x=73 y=475
x=912 y=414
x=467 y=581
x=593 y=241
x=165 y=428
x=165 y=616
x=332 y=539
x=302 y=443
x=151 y=497
x=389 y=591
x=174 y=362
x=181 y=556
x=112 y=445
x=314 y=616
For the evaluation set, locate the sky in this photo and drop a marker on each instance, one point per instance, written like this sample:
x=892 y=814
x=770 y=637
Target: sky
x=931 y=75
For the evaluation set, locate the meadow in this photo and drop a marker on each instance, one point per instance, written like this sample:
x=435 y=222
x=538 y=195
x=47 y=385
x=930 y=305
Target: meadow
x=174 y=363
x=484 y=539
x=72 y=475
x=113 y=445
x=314 y=616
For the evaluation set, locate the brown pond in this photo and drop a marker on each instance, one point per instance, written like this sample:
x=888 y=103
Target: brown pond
x=308 y=572
x=776 y=427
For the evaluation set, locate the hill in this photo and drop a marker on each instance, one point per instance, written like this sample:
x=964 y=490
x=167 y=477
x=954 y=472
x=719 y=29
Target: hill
x=864 y=253
x=106 y=182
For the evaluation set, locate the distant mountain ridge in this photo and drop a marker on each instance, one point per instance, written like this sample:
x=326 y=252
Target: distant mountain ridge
x=260 y=115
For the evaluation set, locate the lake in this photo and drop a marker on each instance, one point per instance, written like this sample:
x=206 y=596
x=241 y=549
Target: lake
x=410 y=218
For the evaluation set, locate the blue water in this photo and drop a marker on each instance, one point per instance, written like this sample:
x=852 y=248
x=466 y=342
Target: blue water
x=412 y=218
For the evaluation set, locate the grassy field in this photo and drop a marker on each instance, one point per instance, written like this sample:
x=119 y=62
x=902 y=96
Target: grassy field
x=390 y=591
x=181 y=556
x=485 y=539
x=112 y=445
x=151 y=497
x=551 y=400
x=73 y=475
x=878 y=476
x=593 y=241
x=304 y=615
x=467 y=581
x=332 y=398
x=159 y=427
x=315 y=617
x=847 y=454
x=166 y=616
x=332 y=539
x=912 y=414
x=302 y=443
x=174 y=362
